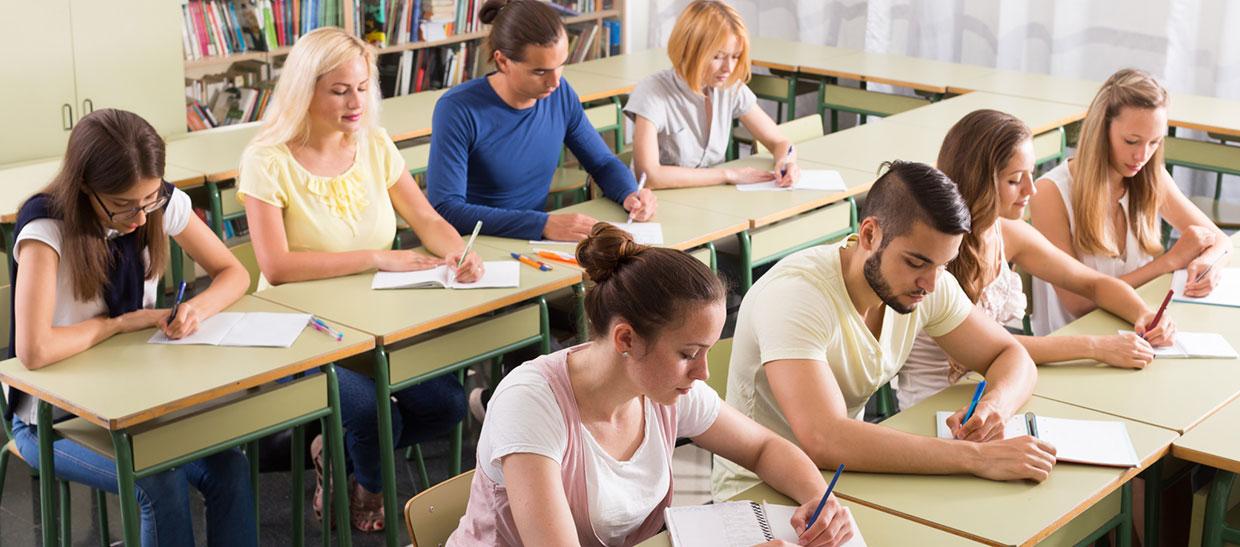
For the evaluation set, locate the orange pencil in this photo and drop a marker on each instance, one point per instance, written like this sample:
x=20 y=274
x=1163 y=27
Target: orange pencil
x=561 y=257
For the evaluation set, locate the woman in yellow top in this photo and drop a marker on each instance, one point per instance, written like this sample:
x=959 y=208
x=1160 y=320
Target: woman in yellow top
x=321 y=184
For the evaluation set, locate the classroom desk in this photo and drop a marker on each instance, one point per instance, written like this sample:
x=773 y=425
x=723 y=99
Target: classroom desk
x=152 y=407
x=409 y=116
x=789 y=55
x=591 y=86
x=879 y=529
x=866 y=147
x=215 y=153
x=1007 y=513
x=1041 y=116
x=427 y=333
x=1031 y=85
x=1204 y=114
x=926 y=75
x=684 y=227
x=1214 y=442
x=631 y=67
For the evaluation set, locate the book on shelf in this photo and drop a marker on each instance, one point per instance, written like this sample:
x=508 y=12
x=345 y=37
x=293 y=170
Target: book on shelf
x=219 y=28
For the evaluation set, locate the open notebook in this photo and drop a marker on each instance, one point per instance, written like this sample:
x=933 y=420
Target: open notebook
x=735 y=524
x=1227 y=293
x=499 y=274
x=1091 y=442
x=811 y=179
x=645 y=233
x=257 y=329
x=1196 y=345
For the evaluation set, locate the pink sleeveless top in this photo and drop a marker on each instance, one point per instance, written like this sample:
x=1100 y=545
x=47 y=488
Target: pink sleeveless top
x=488 y=518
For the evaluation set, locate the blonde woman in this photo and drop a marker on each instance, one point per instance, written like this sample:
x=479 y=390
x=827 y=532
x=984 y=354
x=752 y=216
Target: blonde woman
x=683 y=116
x=322 y=184
x=1103 y=206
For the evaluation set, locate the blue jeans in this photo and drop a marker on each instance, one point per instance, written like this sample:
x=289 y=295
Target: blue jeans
x=421 y=412
x=163 y=498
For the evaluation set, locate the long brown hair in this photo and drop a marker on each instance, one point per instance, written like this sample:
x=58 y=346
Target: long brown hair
x=108 y=152
x=974 y=154
x=647 y=287
x=1091 y=197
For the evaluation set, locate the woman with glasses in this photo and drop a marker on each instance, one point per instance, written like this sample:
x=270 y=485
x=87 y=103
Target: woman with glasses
x=86 y=263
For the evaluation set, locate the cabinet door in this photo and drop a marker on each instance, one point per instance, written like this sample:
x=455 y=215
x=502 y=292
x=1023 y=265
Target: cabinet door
x=127 y=54
x=36 y=71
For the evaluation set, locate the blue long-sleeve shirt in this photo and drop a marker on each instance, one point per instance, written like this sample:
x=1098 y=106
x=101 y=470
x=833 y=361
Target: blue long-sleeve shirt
x=494 y=163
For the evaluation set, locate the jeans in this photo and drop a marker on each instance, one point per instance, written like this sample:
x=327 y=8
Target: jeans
x=163 y=498
x=421 y=412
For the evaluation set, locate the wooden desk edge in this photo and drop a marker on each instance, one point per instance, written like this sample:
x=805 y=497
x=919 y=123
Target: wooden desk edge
x=1205 y=458
x=826 y=201
x=1234 y=131
x=130 y=420
x=776 y=65
x=740 y=226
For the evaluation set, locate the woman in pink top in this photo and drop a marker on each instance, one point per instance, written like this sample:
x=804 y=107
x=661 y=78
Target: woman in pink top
x=577 y=445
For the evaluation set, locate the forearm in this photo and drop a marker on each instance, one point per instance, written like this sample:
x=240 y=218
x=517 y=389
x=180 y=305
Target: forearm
x=293 y=266
x=514 y=223
x=675 y=176
x=1053 y=349
x=69 y=340
x=440 y=237
x=788 y=470
x=862 y=446
x=1160 y=265
x=1116 y=297
x=1010 y=380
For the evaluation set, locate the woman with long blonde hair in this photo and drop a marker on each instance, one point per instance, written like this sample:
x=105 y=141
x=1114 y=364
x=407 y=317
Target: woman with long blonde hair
x=1103 y=206
x=989 y=155
x=682 y=116
x=322 y=184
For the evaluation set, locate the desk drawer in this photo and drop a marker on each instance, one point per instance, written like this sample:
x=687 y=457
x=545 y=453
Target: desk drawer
x=427 y=357
x=771 y=242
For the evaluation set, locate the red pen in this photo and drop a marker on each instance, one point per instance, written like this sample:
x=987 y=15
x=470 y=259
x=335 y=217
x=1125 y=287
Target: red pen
x=1161 y=309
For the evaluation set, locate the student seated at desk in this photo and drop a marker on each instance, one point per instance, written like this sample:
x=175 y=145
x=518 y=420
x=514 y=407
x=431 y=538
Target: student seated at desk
x=683 y=116
x=577 y=447
x=1104 y=205
x=827 y=326
x=321 y=184
x=89 y=253
x=496 y=141
x=989 y=155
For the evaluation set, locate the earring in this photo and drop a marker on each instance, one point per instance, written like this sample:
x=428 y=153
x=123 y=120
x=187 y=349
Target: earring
x=624 y=353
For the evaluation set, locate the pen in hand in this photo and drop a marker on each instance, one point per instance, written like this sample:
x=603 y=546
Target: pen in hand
x=641 y=183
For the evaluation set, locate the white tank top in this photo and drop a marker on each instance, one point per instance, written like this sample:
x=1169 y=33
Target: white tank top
x=1048 y=313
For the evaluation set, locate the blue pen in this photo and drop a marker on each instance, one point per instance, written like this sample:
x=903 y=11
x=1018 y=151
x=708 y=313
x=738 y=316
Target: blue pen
x=977 y=396
x=814 y=518
x=177 y=303
x=783 y=169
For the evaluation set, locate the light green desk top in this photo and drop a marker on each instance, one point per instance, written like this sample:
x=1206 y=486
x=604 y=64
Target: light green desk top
x=409 y=116
x=1005 y=513
x=1040 y=116
x=395 y=315
x=1032 y=85
x=898 y=70
x=789 y=55
x=878 y=528
x=214 y=153
x=763 y=208
x=125 y=382
x=630 y=67
x=1204 y=113
x=591 y=86
x=1172 y=393
x=1214 y=441
x=866 y=147
x=19 y=181
x=684 y=227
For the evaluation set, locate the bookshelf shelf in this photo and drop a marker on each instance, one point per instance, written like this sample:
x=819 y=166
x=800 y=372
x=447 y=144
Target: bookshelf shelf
x=209 y=63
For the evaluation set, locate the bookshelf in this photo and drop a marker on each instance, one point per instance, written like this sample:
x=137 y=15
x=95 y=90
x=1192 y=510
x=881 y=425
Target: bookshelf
x=407 y=65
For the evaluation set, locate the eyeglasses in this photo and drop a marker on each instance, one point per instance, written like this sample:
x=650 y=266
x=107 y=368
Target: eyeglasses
x=165 y=193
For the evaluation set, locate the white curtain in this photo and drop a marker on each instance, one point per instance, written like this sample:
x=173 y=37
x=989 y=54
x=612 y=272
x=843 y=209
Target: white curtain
x=1192 y=46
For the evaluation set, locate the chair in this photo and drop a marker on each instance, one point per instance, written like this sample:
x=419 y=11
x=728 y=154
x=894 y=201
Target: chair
x=783 y=89
x=718 y=359
x=838 y=98
x=797 y=131
x=1222 y=159
x=434 y=514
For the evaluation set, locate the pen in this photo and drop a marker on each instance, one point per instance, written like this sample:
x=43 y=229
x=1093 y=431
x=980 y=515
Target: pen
x=977 y=396
x=783 y=165
x=556 y=255
x=176 y=304
x=814 y=518
x=531 y=262
x=641 y=183
x=1161 y=309
x=1031 y=422
x=1210 y=265
x=470 y=244
x=320 y=326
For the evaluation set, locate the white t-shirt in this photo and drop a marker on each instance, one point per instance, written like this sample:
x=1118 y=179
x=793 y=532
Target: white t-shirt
x=69 y=309
x=524 y=417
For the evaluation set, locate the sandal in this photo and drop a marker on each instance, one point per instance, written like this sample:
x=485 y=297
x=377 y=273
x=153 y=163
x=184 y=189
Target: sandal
x=316 y=456
x=365 y=509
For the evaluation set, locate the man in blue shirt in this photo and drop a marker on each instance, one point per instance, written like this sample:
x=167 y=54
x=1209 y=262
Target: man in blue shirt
x=495 y=141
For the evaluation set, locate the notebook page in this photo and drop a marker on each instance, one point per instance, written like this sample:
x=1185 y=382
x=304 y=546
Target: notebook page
x=210 y=332
x=420 y=279
x=1227 y=293
x=267 y=329
x=1088 y=441
x=1204 y=345
x=645 y=233
x=811 y=179
x=1015 y=426
x=780 y=517
x=729 y=524
x=499 y=273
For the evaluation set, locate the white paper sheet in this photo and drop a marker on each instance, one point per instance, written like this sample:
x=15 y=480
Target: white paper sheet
x=254 y=329
x=811 y=179
x=1227 y=293
x=1195 y=345
x=498 y=274
x=1093 y=442
x=735 y=524
x=645 y=233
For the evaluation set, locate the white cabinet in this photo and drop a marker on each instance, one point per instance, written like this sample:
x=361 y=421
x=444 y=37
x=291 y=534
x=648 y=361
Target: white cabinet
x=62 y=59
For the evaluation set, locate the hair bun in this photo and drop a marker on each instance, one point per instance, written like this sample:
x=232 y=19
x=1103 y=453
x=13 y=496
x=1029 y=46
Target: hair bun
x=606 y=250
x=490 y=10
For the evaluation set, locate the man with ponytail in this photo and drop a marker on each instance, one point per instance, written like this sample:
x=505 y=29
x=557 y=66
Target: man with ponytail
x=496 y=141
x=826 y=327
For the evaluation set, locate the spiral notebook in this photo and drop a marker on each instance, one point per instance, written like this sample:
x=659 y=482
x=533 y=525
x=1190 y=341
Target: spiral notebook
x=735 y=524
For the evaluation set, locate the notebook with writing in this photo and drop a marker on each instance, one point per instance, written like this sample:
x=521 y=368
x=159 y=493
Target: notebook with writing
x=735 y=524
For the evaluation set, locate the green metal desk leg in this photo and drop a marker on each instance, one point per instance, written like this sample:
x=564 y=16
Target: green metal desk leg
x=746 y=262
x=130 y=520
x=47 y=475
x=544 y=325
x=1215 y=530
x=299 y=498
x=217 y=208
x=387 y=455
x=458 y=434
x=1124 y=534
x=340 y=494
x=583 y=327
x=1153 y=503
x=101 y=501
x=714 y=257
x=66 y=521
